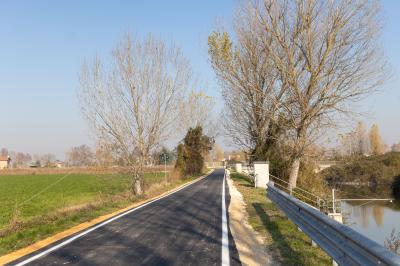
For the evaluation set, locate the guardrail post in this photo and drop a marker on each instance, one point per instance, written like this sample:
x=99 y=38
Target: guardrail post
x=313 y=243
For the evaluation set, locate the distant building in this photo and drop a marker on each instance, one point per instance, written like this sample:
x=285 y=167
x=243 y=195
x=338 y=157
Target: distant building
x=396 y=147
x=322 y=165
x=59 y=164
x=239 y=156
x=35 y=164
x=5 y=161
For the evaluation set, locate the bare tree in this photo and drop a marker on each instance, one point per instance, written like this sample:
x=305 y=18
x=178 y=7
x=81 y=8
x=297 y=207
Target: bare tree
x=197 y=110
x=355 y=142
x=322 y=55
x=134 y=103
x=4 y=152
x=376 y=142
x=250 y=84
x=105 y=154
x=47 y=159
x=393 y=242
x=330 y=59
x=361 y=139
x=22 y=159
x=218 y=153
x=80 y=156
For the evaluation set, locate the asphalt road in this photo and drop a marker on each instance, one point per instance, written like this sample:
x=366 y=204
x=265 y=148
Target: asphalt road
x=184 y=228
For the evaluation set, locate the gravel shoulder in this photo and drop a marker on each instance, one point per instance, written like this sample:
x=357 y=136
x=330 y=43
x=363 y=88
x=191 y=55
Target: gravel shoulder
x=249 y=243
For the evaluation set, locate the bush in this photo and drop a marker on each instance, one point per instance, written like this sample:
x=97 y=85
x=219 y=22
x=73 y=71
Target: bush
x=191 y=153
x=379 y=169
x=312 y=181
x=180 y=165
x=396 y=187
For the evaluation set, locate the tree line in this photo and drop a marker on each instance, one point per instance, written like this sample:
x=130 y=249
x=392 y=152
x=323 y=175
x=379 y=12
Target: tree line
x=360 y=142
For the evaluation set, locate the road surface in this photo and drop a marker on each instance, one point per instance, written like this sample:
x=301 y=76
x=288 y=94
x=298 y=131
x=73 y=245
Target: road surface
x=184 y=228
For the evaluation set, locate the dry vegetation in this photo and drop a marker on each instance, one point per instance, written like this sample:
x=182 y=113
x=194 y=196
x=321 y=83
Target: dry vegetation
x=77 y=170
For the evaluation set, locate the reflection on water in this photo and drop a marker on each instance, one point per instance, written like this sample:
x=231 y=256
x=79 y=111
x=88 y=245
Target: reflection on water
x=374 y=219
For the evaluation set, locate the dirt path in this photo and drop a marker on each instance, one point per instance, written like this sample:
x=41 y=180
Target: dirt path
x=250 y=244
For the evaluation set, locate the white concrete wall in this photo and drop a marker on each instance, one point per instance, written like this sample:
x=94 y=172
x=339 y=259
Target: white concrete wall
x=238 y=167
x=3 y=164
x=261 y=174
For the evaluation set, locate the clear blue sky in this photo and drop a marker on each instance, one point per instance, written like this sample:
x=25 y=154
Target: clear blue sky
x=43 y=44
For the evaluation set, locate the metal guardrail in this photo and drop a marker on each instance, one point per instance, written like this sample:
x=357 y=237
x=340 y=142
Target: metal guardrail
x=343 y=244
x=301 y=194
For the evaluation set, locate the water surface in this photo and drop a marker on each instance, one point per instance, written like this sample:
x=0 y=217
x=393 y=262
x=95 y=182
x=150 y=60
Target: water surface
x=375 y=219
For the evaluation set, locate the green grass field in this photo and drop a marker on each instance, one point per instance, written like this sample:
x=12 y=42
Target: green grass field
x=288 y=245
x=33 y=207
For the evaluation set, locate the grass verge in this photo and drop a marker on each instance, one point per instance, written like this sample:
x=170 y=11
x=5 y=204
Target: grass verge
x=35 y=207
x=288 y=245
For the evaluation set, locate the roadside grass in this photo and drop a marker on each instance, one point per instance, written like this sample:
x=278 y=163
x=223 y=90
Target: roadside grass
x=33 y=207
x=288 y=245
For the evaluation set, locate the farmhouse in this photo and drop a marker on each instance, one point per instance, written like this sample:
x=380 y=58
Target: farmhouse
x=5 y=161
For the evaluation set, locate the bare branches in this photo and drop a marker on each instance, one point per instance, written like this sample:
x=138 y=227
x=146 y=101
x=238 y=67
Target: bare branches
x=134 y=103
x=197 y=111
x=248 y=80
x=306 y=61
x=393 y=242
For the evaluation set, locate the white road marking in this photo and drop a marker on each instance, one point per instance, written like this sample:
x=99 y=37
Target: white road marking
x=225 y=240
x=33 y=258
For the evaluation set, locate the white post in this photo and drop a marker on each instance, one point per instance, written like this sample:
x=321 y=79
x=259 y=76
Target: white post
x=165 y=168
x=335 y=216
x=261 y=173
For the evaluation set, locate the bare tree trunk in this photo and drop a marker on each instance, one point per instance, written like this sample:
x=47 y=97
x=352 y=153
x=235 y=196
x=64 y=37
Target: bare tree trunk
x=137 y=185
x=294 y=173
x=137 y=179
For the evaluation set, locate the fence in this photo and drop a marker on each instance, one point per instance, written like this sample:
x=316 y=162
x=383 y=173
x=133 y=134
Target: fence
x=303 y=195
x=343 y=244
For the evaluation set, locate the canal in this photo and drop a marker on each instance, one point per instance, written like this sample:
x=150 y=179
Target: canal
x=374 y=219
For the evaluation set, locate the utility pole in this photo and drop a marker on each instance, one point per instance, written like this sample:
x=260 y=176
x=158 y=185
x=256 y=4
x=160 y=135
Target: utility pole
x=165 y=157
